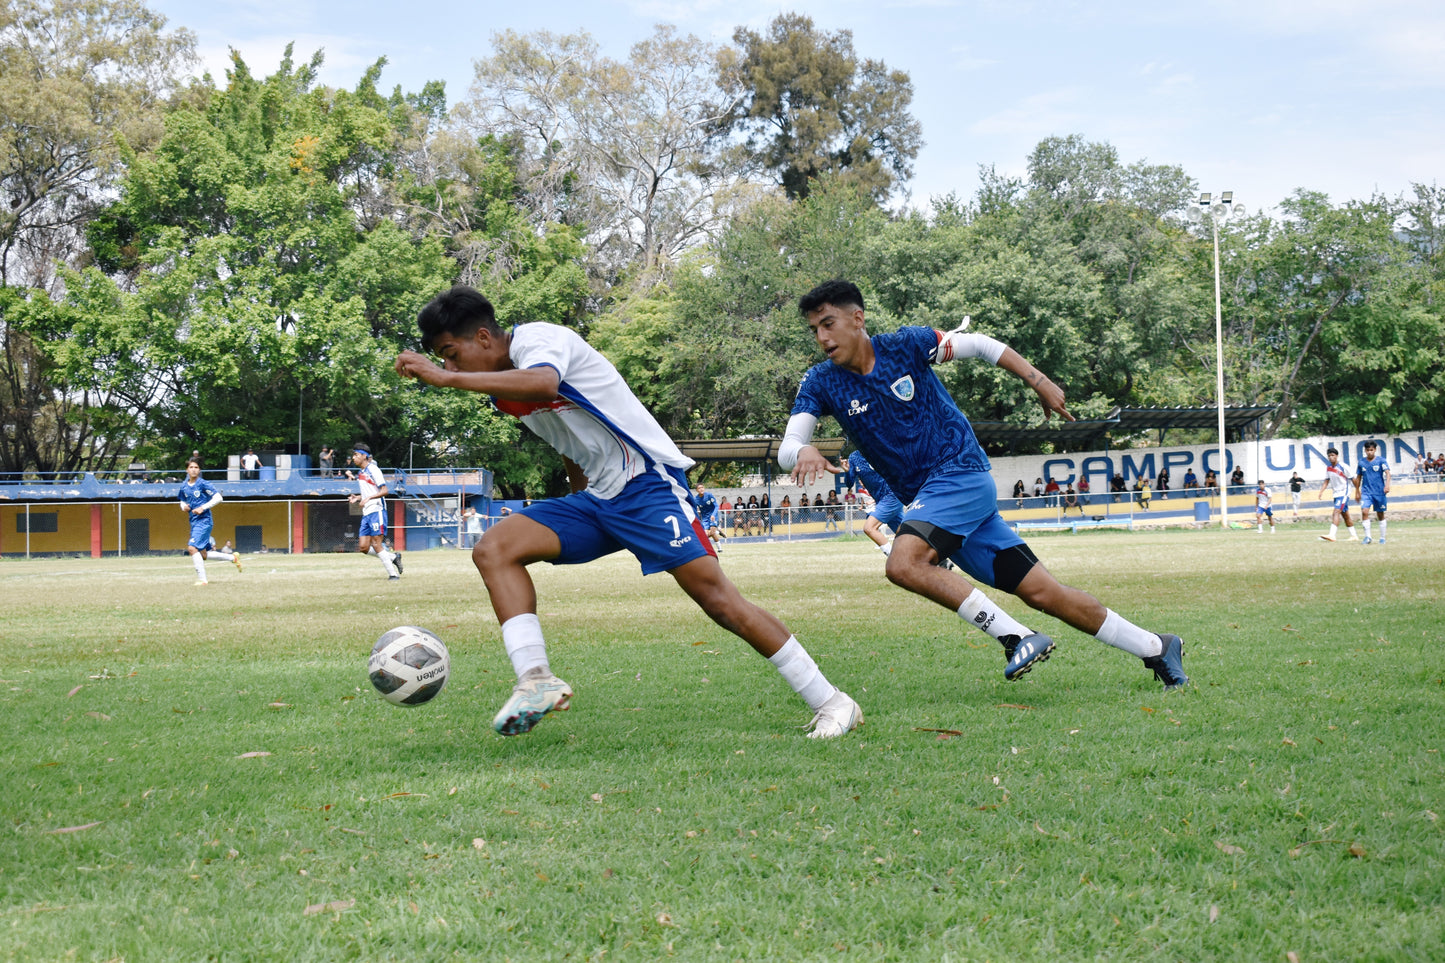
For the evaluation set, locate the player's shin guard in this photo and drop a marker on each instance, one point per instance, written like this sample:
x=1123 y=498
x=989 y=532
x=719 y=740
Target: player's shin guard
x=799 y=670
x=522 y=637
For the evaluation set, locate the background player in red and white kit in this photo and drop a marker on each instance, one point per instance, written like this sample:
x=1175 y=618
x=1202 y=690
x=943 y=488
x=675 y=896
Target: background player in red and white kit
x=635 y=497
x=1338 y=484
x=371 y=534
x=1262 y=509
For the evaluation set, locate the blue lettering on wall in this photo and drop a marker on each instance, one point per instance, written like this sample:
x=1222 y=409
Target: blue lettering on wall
x=1214 y=454
x=1098 y=465
x=1269 y=459
x=1414 y=452
x=1177 y=459
x=1312 y=450
x=1051 y=472
x=1145 y=468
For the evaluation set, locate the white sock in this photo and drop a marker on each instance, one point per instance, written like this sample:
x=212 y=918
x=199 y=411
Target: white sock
x=985 y=615
x=386 y=559
x=221 y=556
x=1367 y=528
x=886 y=548
x=522 y=637
x=1333 y=530
x=1123 y=634
x=1382 y=529
x=200 y=566
x=800 y=671
x=1351 y=530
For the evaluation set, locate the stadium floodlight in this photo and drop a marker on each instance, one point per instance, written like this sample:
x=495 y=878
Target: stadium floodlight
x=1220 y=210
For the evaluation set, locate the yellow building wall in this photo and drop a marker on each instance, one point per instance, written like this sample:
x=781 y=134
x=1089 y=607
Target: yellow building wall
x=170 y=529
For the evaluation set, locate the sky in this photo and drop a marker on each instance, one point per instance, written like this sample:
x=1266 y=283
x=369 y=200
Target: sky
x=1258 y=97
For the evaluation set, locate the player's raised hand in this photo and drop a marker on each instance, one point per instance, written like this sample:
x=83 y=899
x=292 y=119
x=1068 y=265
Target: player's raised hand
x=1052 y=397
x=811 y=466
x=414 y=364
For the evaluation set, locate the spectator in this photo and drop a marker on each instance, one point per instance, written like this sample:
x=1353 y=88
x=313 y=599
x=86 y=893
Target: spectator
x=1191 y=480
x=1296 y=485
x=1071 y=500
x=1052 y=491
x=765 y=513
x=1211 y=483
x=817 y=499
x=1039 y=487
x=250 y=466
x=327 y=461
x=472 y=524
x=1236 y=480
x=1116 y=486
x=1019 y=493
x=1163 y=483
x=1142 y=492
x=1083 y=492
x=830 y=511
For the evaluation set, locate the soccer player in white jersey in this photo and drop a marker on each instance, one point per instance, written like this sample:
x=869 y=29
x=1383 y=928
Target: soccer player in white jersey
x=197 y=497
x=635 y=497
x=371 y=534
x=1338 y=485
x=1372 y=484
x=885 y=396
x=1262 y=509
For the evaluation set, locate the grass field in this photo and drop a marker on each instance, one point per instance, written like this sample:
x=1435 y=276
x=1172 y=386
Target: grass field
x=205 y=774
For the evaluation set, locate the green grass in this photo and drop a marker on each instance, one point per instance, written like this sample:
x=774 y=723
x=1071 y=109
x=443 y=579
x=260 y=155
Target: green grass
x=1286 y=803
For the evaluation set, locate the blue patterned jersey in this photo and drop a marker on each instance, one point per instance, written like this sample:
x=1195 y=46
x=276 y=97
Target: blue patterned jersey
x=197 y=494
x=706 y=504
x=1371 y=475
x=899 y=414
x=863 y=472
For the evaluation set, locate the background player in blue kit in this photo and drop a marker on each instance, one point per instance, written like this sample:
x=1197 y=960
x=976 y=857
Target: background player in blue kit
x=636 y=498
x=707 y=514
x=887 y=510
x=197 y=497
x=884 y=394
x=1372 y=484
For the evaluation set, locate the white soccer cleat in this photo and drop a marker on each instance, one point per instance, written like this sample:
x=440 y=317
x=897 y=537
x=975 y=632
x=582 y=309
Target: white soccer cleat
x=837 y=717
x=535 y=695
x=1327 y=538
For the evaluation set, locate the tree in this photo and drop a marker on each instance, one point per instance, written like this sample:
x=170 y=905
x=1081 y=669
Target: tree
x=808 y=106
x=631 y=150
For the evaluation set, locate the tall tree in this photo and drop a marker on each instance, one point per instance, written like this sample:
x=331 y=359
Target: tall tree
x=631 y=150
x=807 y=105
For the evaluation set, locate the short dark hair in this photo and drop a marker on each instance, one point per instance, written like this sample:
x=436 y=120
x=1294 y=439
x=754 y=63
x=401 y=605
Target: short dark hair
x=1371 y=444
x=1332 y=450
x=459 y=311
x=837 y=292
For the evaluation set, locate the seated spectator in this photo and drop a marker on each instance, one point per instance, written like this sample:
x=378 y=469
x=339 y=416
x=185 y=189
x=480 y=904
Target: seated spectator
x=1052 y=491
x=818 y=500
x=1236 y=480
x=1191 y=480
x=1142 y=492
x=1039 y=487
x=1083 y=492
x=1116 y=486
x=830 y=511
x=1071 y=500
x=1019 y=493
x=1211 y=483
x=1163 y=483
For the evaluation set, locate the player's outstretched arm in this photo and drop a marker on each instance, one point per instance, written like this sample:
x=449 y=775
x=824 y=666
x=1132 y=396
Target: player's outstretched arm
x=798 y=455
x=514 y=384
x=1050 y=394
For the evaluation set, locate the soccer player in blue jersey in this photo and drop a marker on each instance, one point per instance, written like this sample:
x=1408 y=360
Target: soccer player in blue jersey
x=629 y=492
x=887 y=510
x=197 y=497
x=884 y=394
x=707 y=515
x=1372 y=484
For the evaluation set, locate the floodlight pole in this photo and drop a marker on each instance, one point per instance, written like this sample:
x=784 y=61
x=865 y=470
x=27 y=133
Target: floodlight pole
x=1216 y=213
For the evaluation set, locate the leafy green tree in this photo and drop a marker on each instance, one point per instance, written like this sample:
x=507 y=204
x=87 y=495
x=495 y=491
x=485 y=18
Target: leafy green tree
x=808 y=106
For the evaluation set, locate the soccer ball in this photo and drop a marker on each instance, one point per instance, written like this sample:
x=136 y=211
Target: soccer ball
x=409 y=665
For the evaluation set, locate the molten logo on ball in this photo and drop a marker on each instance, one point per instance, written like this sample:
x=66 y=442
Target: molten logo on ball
x=409 y=665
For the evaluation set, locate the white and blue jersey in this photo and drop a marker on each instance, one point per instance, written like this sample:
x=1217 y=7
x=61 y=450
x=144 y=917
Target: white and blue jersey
x=637 y=496
x=1339 y=484
x=193 y=495
x=706 y=506
x=886 y=506
x=1371 y=475
x=899 y=414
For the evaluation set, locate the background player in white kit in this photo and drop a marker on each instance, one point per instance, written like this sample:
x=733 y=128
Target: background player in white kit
x=371 y=534
x=1262 y=509
x=1338 y=484
x=636 y=497
x=1372 y=484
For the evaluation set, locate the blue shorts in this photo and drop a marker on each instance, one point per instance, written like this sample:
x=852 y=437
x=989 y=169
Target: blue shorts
x=964 y=503
x=652 y=517
x=373 y=524
x=1372 y=503
x=1265 y=511
x=201 y=532
x=888 y=510
x=1342 y=504
x=709 y=520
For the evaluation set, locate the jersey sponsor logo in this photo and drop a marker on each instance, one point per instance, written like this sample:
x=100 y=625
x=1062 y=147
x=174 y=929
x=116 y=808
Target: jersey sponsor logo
x=903 y=388
x=856 y=408
x=680 y=542
x=915 y=505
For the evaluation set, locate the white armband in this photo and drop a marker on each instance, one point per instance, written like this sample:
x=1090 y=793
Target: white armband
x=798 y=434
x=956 y=344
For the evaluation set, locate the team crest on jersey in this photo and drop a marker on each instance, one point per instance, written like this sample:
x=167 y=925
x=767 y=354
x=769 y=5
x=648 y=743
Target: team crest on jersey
x=903 y=388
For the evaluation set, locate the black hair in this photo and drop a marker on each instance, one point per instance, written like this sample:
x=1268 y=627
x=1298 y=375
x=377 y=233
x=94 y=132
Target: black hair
x=459 y=311
x=837 y=292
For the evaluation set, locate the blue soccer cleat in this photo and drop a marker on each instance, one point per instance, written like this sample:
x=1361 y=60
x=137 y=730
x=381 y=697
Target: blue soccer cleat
x=1168 y=665
x=1027 y=653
